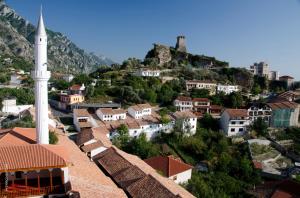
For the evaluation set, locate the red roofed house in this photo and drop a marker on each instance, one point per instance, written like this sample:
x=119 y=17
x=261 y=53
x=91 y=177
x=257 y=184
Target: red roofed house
x=172 y=168
x=28 y=169
x=77 y=89
x=183 y=103
x=234 y=121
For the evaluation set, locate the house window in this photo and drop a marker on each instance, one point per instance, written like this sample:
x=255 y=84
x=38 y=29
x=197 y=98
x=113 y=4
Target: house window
x=241 y=129
x=233 y=122
x=232 y=129
x=241 y=122
x=18 y=175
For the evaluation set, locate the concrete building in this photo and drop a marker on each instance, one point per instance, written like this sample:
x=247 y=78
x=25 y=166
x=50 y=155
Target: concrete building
x=82 y=119
x=109 y=114
x=234 y=122
x=188 y=121
x=260 y=111
x=201 y=106
x=139 y=110
x=284 y=114
x=9 y=106
x=273 y=75
x=71 y=99
x=171 y=168
x=147 y=73
x=227 y=89
x=68 y=77
x=200 y=84
x=41 y=77
x=77 y=89
x=183 y=103
x=288 y=80
x=260 y=69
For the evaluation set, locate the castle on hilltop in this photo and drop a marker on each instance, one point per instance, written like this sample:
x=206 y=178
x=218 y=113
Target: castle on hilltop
x=180 y=44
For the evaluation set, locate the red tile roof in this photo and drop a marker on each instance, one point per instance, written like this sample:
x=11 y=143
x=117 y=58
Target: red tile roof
x=75 y=87
x=17 y=136
x=30 y=157
x=286 y=77
x=92 y=146
x=84 y=136
x=81 y=113
x=184 y=114
x=168 y=165
x=184 y=98
x=201 y=100
x=287 y=189
x=234 y=113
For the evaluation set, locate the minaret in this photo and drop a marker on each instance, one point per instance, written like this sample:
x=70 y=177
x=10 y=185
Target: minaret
x=41 y=77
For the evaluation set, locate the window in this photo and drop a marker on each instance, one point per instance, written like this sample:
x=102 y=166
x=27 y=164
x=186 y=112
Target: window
x=233 y=122
x=241 y=129
x=18 y=175
x=241 y=122
x=232 y=129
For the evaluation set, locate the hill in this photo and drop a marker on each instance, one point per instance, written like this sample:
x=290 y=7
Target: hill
x=17 y=39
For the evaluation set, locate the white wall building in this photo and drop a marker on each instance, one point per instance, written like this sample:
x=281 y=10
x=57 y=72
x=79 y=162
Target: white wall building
x=82 y=119
x=227 y=89
x=234 y=122
x=260 y=69
x=273 y=75
x=183 y=103
x=200 y=84
x=260 y=111
x=140 y=110
x=9 y=105
x=109 y=114
x=68 y=77
x=148 y=73
x=188 y=119
x=171 y=168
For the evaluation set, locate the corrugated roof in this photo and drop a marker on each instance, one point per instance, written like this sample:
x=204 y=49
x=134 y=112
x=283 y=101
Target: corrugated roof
x=29 y=157
x=283 y=105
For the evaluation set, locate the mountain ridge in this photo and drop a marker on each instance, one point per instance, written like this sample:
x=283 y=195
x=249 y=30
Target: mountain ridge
x=17 y=38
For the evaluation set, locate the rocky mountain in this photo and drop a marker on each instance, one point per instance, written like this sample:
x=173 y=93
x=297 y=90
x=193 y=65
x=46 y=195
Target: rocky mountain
x=17 y=39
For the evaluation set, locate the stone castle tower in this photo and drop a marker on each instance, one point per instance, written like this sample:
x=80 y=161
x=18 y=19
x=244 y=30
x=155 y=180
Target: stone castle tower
x=41 y=77
x=180 y=44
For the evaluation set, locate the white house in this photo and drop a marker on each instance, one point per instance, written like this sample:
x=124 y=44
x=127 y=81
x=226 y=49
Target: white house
x=201 y=84
x=147 y=73
x=189 y=120
x=109 y=114
x=68 y=77
x=9 y=105
x=234 y=121
x=260 y=111
x=82 y=119
x=183 y=103
x=93 y=149
x=227 y=89
x=140 y=110
x=171 y=168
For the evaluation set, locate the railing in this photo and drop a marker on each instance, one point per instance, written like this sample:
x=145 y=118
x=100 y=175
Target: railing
x=25 y=191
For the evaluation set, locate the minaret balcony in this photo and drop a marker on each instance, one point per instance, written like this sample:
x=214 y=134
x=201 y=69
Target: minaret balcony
x=40 y=74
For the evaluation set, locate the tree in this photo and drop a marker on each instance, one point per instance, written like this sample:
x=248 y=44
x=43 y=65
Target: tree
x=122 y=138
x=166 y=94
x=82 y=79
x=150 y=95
x=53 y=139
x=208 y=122
x=200 y=93
x=260 y=126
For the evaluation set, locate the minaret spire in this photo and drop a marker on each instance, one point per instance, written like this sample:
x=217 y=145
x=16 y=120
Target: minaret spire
x=41 y=77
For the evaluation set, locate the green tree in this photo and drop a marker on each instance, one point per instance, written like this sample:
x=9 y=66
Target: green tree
x=200 y=93
x=53 y=139
x=82 y=79
x=166 y=94
x=260 y=126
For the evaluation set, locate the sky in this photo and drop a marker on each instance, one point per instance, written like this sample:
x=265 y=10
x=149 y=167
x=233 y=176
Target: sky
x=238 y=31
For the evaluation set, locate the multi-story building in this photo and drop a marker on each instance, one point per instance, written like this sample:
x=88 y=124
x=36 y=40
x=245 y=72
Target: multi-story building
x=284 y=114
x=288 y=80
x=82 y=119
x=147 y=73
x=188 y=119
x=260 y=69
x=200 y=84
x=183 y=103
x=234 y=122
x=201 y=106
x=77 y=89
x=109 y=114
x=260 y=111
x=273 y=75
x=71 y=99
x=139 y=110
x=227 y=89
x=9 y=106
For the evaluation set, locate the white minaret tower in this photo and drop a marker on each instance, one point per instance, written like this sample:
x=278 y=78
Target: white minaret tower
x=41 y=77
